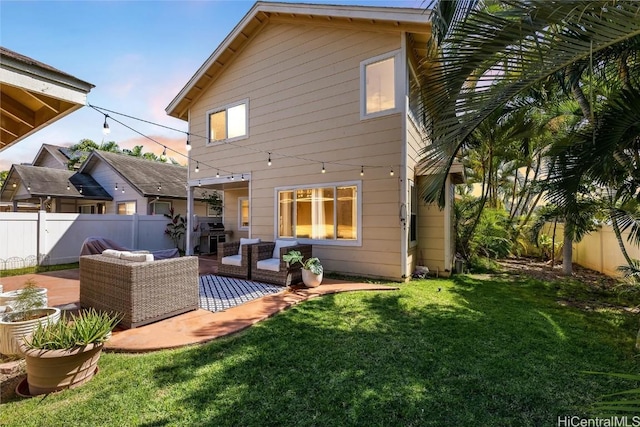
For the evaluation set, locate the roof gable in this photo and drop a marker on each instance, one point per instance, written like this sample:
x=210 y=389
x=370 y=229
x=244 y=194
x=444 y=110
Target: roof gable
x=383 y=19
x=60 y=154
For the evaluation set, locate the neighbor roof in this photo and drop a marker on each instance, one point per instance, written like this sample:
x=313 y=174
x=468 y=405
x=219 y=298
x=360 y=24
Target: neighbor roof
x=61 y=154
x=381 y=18
x=54 y=182
x=145 y=176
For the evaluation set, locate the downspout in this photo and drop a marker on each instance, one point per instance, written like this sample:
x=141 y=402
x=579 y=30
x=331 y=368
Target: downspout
x=403 y=155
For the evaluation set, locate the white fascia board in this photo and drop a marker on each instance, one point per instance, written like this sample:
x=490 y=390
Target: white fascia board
x=44 y=86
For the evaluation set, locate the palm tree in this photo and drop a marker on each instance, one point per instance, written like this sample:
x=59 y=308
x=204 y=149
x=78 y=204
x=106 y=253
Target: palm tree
x=483 y=55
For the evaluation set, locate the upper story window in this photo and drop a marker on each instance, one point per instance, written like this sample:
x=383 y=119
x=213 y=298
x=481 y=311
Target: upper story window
x=379 y=85
x=229 y=122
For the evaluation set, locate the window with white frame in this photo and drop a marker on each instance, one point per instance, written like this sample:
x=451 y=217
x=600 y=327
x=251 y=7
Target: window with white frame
x=243 y=213
x=327 y=212
x=379 y=85
x=126 y=208
x=413 y=210
x=160 y=207
x=228 y=123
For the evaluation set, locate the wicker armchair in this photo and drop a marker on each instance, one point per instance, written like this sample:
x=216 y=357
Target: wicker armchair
x=286 y=275
x=231 y=249
x=143 y=292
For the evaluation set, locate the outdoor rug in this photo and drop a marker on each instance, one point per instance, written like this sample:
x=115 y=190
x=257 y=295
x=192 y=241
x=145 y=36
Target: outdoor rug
x=218 y=293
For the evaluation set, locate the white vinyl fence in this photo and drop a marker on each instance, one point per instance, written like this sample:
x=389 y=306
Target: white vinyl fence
x=56 y=238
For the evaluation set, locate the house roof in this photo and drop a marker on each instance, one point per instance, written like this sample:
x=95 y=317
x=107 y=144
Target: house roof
x=147 y=177
x=61 y=154
x=34 y=95
x=53 y=182
x=392 y=19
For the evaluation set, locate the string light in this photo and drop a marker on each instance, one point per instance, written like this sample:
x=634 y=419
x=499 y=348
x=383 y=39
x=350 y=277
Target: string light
x=81 y=189
x=218 y=174
x=68 y=186
x=242 y=177
x=14 y=184
x=188 y=147
x=199 y=183
x=105 y=126
x=232 y=178
x=123 y=189
x=159 y=187
x=29 y=187
x=197 y=167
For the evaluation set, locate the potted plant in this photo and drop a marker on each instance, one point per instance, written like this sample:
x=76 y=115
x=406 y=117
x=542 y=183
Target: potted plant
x=311 y=268
x=27 y=310
x=65 y=354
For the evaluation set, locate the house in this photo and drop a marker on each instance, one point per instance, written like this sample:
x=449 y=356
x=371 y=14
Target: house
x=304 y=117
x=106 y=183
x=34 y=95
x=53 y=190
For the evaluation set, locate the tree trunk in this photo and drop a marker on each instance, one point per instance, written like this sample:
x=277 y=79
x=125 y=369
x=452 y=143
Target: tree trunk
x=567 y=251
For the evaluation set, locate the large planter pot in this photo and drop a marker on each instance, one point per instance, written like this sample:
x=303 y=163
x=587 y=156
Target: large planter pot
x=12 y=330
x=311 y=280
x=54 y=370
x=9 y=298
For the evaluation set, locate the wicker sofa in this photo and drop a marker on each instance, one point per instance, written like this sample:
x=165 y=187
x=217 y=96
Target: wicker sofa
x=143 y=292
x=286 y=275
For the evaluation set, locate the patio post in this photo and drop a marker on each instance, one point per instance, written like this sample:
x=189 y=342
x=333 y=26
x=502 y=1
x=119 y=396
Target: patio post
x=188 y=250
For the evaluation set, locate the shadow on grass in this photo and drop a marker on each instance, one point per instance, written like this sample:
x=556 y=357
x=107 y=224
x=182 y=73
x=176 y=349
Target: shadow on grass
x=467 y=352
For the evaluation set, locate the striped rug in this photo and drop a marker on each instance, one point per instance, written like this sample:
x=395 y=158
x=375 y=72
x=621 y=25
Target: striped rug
x=218 y=293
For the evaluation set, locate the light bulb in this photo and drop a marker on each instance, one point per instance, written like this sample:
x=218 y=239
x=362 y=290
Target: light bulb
x=269 y=161
x=361 y=170
x=197 y=167
x=323 y=169
x=105 y=126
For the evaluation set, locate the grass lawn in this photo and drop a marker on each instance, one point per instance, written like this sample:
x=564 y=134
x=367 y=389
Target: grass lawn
x=460 y=352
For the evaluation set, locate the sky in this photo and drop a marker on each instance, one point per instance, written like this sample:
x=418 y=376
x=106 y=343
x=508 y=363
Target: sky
x=138 y=54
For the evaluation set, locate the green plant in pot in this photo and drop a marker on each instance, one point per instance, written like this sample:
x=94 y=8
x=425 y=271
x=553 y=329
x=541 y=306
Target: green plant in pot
x=65 y=354
x=26 y=309
x=312 y=270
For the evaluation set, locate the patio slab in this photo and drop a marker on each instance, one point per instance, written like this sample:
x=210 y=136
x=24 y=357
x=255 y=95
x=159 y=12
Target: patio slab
x=190 y=328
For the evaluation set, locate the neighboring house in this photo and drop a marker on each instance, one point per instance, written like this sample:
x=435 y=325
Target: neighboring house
x=53 y=190
x=140 y=186
x=298 y=101
x=106 y=183
x=34 y=95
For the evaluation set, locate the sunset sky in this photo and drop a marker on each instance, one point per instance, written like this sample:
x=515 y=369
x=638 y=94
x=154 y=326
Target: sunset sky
x=138 y=54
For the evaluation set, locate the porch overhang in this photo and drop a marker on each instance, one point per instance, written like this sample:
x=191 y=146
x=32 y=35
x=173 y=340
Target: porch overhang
x=34 y=95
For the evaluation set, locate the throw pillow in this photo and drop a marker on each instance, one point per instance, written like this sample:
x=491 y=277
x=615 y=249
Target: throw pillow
x=244 y=241
x=282 y=244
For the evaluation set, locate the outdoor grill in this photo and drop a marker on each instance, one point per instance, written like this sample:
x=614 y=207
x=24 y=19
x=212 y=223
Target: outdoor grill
x=211 y=235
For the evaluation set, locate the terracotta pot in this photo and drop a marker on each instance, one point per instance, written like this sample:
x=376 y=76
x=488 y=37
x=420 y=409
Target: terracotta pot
x=54 y=370
x=12 y=332
x=311 y=280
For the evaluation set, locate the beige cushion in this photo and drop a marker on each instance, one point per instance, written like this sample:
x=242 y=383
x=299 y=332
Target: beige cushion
x=244 y=241
x=129 y=256
x=232 y=260
x=282 y=244
x=271 y=264
x=111 y=253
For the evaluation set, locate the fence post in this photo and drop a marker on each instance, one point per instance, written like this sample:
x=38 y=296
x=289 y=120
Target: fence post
x=135 y=229
x=42 y=236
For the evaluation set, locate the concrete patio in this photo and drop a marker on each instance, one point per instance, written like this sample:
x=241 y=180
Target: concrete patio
x=195 y=327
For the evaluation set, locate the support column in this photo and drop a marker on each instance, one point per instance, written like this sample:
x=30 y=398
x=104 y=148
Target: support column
x=188 y=250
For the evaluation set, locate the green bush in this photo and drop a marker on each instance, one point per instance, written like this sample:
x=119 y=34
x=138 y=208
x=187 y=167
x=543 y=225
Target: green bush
x=492 y=237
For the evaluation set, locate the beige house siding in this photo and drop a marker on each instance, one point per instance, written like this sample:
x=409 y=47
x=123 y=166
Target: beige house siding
x=307 y=105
